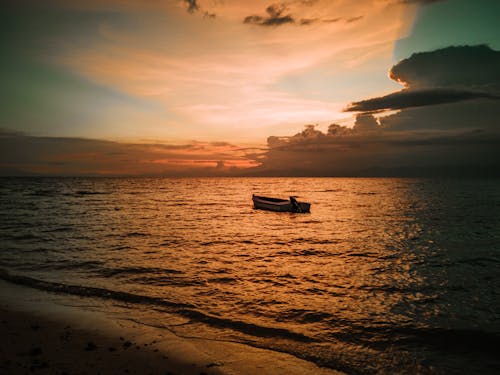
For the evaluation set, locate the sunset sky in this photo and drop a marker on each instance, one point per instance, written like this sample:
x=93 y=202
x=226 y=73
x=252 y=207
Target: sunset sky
x=227 y=87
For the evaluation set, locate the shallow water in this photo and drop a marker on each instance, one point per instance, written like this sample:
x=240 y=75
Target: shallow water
x=384 y=275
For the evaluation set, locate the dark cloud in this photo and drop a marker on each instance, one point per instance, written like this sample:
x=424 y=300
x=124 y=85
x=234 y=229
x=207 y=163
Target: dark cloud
x=268 y=21
x=433 y=78
x=281 y=14
x=332 y=20
x=366 y=123
x=192 y=6
x=354 y=19
x=473 y=114
x=345 y=151
x=470 y=66
x=447 y=125
x=276 y=10
x=276 y=16
x=450 y=88
x=22 y=154
x=416 y=98
x=308 y=21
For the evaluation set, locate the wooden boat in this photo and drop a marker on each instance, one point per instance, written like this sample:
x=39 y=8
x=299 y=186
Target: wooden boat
x=280 y=205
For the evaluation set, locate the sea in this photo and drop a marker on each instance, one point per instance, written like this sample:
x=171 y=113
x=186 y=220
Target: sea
x=383 y=276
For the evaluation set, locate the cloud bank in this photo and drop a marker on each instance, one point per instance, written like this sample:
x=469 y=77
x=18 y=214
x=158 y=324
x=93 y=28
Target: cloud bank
x=25 y=155
x=370 y=150
x=447 y=124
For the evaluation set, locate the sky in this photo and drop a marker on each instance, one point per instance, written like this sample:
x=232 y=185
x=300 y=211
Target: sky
x=258 y=88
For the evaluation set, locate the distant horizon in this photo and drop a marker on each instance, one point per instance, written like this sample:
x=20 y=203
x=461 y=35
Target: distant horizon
x=457 y=172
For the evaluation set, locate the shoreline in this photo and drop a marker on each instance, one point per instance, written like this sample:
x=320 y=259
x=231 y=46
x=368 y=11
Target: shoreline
x=42 y=335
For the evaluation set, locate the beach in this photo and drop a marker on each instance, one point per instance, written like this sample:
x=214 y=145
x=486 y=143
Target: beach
x=44 y=337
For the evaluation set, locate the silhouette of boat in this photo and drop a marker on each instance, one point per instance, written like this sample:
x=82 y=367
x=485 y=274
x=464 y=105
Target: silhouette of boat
x=280 y=205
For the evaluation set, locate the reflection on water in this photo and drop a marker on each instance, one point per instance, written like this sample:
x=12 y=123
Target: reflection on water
x=383 y=275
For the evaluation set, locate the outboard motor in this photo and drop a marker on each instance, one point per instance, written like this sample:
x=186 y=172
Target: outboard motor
x=295 y=204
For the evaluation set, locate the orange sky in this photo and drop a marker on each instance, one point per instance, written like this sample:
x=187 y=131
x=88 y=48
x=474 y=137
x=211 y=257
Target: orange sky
x=222 y=79
x=199 y=86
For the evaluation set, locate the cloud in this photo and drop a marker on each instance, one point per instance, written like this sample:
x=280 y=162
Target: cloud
x=477 y=114
x=332 y=20
x=275 y=16
x=441 y=93
x=433 y=78
x=308 y=21
x=365 y=122
x=281 y=14
x=192 y=6
x=471 y=66
x=354 y=19
x=343 y=151
x=446 y=124
x=416 y=98
x=23 y=154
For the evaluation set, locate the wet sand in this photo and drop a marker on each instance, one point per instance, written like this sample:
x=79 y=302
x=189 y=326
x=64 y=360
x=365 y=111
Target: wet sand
x=43 y=337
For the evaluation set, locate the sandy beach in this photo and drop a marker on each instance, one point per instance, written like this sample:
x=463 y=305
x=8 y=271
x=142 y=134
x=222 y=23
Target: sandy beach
x=44 y=337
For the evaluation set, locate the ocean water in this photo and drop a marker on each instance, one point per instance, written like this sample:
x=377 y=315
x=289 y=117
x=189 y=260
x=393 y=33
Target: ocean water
x=383 y=276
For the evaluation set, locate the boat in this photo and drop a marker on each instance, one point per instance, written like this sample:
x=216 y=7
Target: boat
x=280 y=205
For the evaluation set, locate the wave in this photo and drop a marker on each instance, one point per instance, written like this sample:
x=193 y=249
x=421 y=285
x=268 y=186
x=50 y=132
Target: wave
x=223 y=280
x=55 y=193
x=244 y=327
x=90 y=192
x=21 y=237
x=312 y=241
x=135 y=234
x=58 y=265
x=66 y=228
x=304 y=253
x=86 y=291
x=44 y=193
x=184 y=309
x=217 y=242
x=305 y=316
x=177 y=281
x=126 y=271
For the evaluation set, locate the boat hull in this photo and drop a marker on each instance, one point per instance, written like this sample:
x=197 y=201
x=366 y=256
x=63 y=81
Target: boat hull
x=279 y=205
